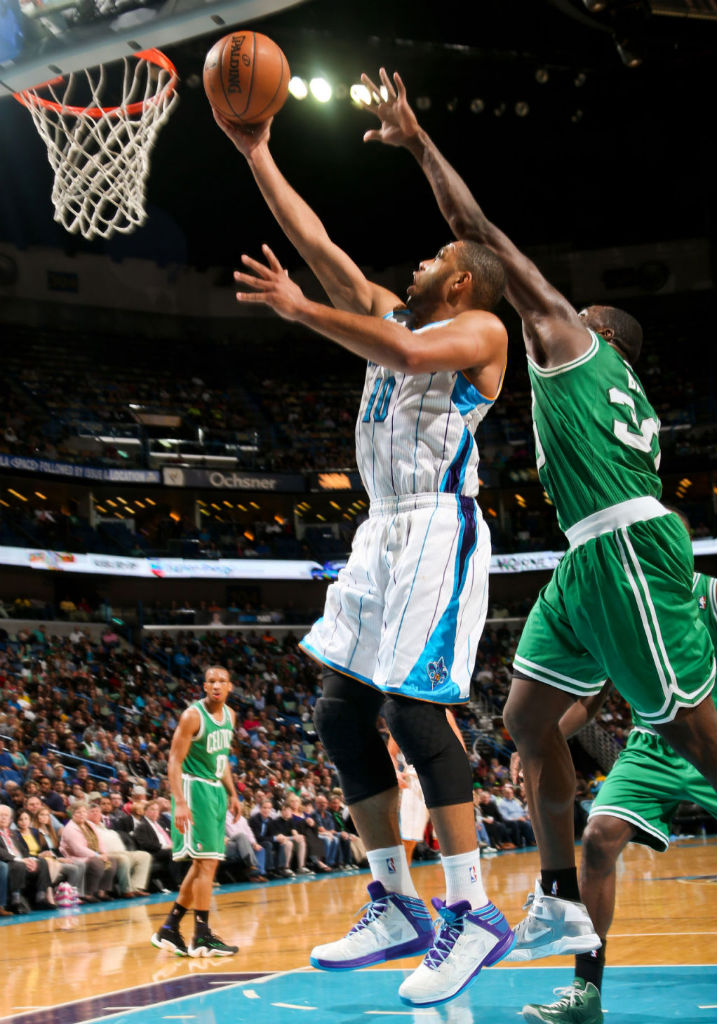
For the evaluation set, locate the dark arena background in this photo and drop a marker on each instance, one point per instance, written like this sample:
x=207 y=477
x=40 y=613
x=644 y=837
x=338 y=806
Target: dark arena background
x=178 y=483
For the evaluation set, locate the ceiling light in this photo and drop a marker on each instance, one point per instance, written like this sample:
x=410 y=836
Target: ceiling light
x=359 y=93
x=477 y=106
x=522 y=109
x=298 y=88
x=320 y=90
x=629 y=52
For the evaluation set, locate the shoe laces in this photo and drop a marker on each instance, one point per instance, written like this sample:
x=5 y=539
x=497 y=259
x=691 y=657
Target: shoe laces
x=448 y=927
x=374 y=909
x=570 y=996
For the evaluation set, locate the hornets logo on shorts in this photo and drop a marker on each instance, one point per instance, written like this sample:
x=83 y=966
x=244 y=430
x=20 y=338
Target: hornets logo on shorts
x=437 y=672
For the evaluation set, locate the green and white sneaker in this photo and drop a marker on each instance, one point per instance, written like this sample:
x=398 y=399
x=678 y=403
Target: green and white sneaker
x=579 y=1003
x=210 y=945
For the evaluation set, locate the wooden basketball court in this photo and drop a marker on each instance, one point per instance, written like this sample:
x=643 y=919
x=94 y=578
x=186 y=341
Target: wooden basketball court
x=70 y=966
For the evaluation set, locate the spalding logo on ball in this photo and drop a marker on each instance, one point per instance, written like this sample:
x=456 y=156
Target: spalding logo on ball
x=246 y=77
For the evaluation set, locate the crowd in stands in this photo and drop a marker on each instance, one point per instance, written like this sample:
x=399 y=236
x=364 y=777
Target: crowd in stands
x=63 y=393
x=85 y=731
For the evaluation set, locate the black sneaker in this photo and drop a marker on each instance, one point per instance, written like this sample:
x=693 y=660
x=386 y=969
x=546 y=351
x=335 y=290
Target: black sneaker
x=171 y=940
x=210 y=945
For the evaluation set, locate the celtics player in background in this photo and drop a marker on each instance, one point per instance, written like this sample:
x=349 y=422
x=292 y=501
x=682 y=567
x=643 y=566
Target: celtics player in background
x=635 y=804
x=200 y=779
x=620 y=602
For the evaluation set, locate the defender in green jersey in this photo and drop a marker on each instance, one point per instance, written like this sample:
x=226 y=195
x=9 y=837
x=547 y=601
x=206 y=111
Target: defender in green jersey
x=201 y=780
x=620 y=601
x=635 y=804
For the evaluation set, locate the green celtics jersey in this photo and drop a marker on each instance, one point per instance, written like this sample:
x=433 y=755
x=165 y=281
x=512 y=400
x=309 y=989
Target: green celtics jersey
x=209 y=750
x=596 y=435
x=705 y=590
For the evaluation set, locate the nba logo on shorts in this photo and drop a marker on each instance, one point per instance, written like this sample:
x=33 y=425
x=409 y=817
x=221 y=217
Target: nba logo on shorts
x=473 y=873
x=391 y=865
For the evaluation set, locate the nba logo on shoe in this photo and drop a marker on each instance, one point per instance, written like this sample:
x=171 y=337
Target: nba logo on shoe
x=473 y=873
x=391 y=865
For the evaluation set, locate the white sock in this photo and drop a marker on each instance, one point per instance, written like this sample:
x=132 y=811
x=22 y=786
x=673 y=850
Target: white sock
x=389 y=866
x=463 y=879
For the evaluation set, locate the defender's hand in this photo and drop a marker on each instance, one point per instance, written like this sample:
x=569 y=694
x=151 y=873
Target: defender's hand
x=398 y=122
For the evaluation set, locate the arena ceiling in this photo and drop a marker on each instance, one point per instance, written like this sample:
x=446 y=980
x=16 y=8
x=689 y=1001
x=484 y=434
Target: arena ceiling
x=563 y=144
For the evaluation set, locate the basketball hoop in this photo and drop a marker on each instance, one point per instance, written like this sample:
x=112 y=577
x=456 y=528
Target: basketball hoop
x=100 y=154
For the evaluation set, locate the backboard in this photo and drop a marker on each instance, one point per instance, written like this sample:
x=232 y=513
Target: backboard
x=41 y=39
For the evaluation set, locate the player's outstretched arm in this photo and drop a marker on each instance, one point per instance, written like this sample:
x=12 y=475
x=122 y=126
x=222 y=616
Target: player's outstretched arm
x=540 y=305
x=344 y=283
x=471 y=339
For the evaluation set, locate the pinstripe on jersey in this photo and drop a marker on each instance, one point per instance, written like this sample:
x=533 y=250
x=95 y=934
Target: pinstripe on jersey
x=414 y=432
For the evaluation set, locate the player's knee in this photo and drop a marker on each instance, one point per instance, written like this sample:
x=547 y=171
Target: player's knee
x=350 y=736
x=602 y=841
x=516 y=718
x=427 y=741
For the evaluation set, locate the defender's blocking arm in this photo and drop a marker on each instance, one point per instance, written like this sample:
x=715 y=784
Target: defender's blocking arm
x=540 y=305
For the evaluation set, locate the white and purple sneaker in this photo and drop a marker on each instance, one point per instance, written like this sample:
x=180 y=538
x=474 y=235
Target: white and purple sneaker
x=466 y=940
x=393 y=926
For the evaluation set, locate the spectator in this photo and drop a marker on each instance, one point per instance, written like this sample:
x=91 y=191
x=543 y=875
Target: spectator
x=83 y=845
x=263 y=825
x=67 y=871
x=31 y=846
x=291 y=842
x=516 y=818
x=132 y=866
x=493 y=821
x=26 y=874
x=326 y=827
x=149 y=835
x=243 y=848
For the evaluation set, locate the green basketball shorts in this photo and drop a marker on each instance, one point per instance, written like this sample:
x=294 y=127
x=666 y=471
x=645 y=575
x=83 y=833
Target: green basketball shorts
x=645 y=786
x=204 y=838
x=621 y=606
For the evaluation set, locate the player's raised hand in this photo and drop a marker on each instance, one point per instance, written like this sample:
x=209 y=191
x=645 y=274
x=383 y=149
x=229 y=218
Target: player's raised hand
x=398 y=122
x=246 y=137
x=272 y=285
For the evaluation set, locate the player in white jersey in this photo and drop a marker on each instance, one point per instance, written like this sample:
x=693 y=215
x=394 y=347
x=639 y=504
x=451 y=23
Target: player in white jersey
x=403 y=620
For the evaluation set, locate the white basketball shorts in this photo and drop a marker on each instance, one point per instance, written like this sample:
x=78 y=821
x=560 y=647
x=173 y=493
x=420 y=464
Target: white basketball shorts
x=407 y=611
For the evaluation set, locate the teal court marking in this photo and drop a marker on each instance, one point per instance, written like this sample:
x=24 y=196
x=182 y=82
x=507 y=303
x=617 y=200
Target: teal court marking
x=633 y=995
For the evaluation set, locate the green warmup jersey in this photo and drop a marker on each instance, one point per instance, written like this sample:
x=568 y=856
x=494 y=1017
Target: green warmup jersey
x=596 y=434
x=705 y=590
x=209 y=750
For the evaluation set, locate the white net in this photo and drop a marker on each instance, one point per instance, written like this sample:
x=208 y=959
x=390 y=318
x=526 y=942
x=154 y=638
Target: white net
x=100 y=155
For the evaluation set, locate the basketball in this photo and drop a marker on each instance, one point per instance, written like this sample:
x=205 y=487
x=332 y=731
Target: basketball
x=246 y=77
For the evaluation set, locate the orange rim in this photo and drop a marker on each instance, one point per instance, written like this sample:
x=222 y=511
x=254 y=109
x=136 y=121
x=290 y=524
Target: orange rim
x=29 y=97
